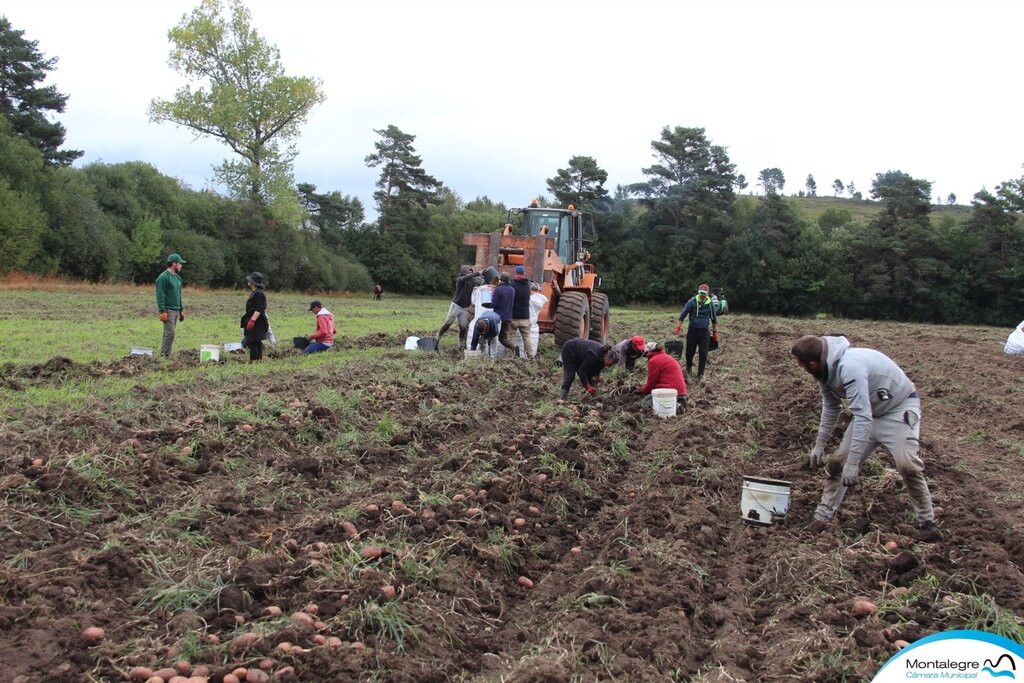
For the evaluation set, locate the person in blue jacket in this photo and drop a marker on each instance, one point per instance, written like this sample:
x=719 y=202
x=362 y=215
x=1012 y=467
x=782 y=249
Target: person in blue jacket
x=501 y=303
x=703 y=326
x=486 y=330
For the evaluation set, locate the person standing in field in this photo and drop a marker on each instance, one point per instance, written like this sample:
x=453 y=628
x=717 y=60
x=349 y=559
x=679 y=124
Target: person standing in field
x=462 y=300
x=254 y=321
x=886 y=410
x=378 y=292
x=520 y=323
x=703 y=326
x=168 y=301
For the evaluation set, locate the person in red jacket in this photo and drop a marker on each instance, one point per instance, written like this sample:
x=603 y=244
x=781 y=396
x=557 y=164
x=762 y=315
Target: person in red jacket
x=323 y=337
x=663 y=372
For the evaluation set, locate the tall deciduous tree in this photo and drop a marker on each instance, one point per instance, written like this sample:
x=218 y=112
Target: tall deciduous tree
x=26 y=103
x=581 y=184
x=772 y=180
x=242 y=97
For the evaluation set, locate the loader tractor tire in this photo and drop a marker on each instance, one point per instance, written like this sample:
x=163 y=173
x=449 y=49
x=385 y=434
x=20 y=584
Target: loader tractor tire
x=572 y=317
x=599 y=317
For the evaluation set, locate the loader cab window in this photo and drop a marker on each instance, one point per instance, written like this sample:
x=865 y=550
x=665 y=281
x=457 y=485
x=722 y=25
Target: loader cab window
x=557 y=223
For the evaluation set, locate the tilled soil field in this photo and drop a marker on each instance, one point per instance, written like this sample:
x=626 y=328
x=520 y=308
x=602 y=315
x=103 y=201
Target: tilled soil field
x=420 y=517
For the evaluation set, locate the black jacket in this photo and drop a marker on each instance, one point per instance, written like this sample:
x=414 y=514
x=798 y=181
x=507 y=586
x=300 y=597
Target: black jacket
x=583 y=358
x=521 y=302
x=464 y=286
x=257 y=301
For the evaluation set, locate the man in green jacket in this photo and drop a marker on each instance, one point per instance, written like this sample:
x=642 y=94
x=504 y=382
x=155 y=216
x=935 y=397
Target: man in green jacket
x=168 y=301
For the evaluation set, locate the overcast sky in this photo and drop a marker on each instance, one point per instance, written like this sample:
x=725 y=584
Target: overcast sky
x=502 y=94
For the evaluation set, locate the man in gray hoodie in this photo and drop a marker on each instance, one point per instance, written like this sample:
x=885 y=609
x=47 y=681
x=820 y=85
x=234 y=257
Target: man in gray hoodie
x=886 y=411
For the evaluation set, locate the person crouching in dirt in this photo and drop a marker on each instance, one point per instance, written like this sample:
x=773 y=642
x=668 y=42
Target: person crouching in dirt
x=501 y=303
x=323 y=337
x=485 y=331
x=378 y=292
x=630 y=350
x=886 y=411
x=663 y=372
x=254 y=322
x=461 y=301
x=585 y=358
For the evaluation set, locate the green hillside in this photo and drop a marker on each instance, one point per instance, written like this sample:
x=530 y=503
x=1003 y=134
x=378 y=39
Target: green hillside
x=865 y=209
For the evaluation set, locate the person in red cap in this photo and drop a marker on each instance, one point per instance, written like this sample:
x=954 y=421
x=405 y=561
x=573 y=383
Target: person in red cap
x=630 y=349
x=663 y=372
x=703 y=326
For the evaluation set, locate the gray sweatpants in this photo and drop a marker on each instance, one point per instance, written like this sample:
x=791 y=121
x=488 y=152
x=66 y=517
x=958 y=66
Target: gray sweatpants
x=169 y=329
x=899 y=431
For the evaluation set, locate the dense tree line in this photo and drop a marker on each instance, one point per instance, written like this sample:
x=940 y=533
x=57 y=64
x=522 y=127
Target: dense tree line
x=684 y=224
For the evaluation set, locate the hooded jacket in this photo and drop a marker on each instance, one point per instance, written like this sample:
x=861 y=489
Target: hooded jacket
x=664 y=372
x=869 y=380
x=325 y=329
x=464 y=286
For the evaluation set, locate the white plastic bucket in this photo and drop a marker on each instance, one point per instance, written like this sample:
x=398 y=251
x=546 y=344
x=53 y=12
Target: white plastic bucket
x=232 y=346
x=209 y=353
x=763 y=499
x=411 y=343
x=141 y=351
x=470 y=353
x=664 y=401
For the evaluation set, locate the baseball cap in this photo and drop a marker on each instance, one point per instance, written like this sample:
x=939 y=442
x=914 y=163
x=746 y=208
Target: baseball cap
x=176 y=258
x=637 y=342
x=652 y=346
x=520 y=270
x=315 y=304
x=706 y=288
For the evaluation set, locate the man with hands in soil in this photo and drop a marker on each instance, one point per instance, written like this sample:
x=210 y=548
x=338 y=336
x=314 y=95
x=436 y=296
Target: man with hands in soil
x=168 y=301
x=585 y=358
x=886 y=411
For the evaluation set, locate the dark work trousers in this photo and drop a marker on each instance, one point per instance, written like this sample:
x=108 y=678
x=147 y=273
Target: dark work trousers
x=255 y=351
x=697 y=339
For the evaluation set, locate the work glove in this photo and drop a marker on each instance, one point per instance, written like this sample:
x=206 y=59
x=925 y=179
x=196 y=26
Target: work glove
x=181 y=315
x=850 y=475
x=249 y=325
x=714 y=335
x=676 y=331
x=163 y=317
x=590 y=389
x=817 y=457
